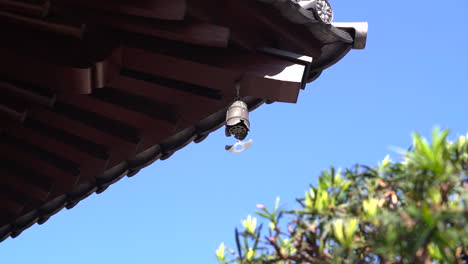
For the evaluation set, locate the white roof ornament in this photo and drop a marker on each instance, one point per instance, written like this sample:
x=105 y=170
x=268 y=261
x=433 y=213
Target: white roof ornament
x=320 y=8
x=358 y=29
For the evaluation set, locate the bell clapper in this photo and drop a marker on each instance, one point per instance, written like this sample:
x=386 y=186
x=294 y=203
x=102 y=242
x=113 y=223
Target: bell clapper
x=239 y=146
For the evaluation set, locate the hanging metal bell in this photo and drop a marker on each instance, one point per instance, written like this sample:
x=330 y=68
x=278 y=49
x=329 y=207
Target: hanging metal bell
x=237 y=120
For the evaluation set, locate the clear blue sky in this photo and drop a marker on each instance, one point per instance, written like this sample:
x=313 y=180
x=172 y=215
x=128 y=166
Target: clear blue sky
x=412 y=76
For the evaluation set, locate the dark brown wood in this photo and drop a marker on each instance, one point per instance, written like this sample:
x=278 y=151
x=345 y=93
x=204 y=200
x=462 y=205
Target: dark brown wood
x=25 y=8
x=246 y=39
x=24 y=187
x=170 y=67
x=184 y=106
x=55 y=77
x=261 y=75
x=292 y=37
x=105 y=70
x=88 y=162
x=192 y=32
x=119 y=149
x=32 y=162
x=261 y=21
x=27 y=95
x=68 y=30
x=9 y=208
x=159 y=9
x=119 y=113
x=57 y=49
x=11 y=114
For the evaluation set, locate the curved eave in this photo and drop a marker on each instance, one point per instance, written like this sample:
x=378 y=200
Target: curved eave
x=338 y=38
x=334 y=52
x=295 y=13
x=196 y=133
x=92 y=53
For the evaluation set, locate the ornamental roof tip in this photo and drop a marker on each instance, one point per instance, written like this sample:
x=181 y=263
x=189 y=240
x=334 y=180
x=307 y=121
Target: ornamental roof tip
x=359 y=30
x=324 y=12
x=319 y=13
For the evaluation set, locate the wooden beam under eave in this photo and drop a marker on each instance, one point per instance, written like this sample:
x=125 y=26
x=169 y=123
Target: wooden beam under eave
x=118 y=112
x=246 y=39
x=118 y=149
x=23 y=187
x=151 y=129
x=63 y=180
x=268 y=77
x=9 y=209
x=158 y=9
x=289 y=36
x=12 y=114
x=293 y=57
x=59 y=78
x=190 y=107
x=105 y=70
x=264 y=76
x=20 y=7
x=75 y=31
x=178 y=69
x=258 y=25
x=269 y=89
x=55 y=49
x=88 y=163
x=40 y=73
x=26 y=95
x=191 y=32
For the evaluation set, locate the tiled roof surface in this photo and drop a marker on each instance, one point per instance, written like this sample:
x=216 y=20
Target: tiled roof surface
x=94 y=90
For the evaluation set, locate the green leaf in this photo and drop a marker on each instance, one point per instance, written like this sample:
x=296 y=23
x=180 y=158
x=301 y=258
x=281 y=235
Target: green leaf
x=434 y=251
x=427 y=216
x=370 y=207
x=338 y=225
x=337 y=180
x=385 y=163
x=350 y=228
x=322 y=200
x=264 y=215
x=422 y=239
x=325 y=180
x=309 y=199
x=434 y=195
x=345 y=185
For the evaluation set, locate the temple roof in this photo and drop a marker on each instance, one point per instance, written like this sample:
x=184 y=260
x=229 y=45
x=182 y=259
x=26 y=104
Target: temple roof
x=95 y=90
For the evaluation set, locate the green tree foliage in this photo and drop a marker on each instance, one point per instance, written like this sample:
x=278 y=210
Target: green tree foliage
x=412 y=211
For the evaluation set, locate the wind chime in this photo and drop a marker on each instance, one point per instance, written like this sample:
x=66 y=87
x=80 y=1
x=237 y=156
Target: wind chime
x=238 y=124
